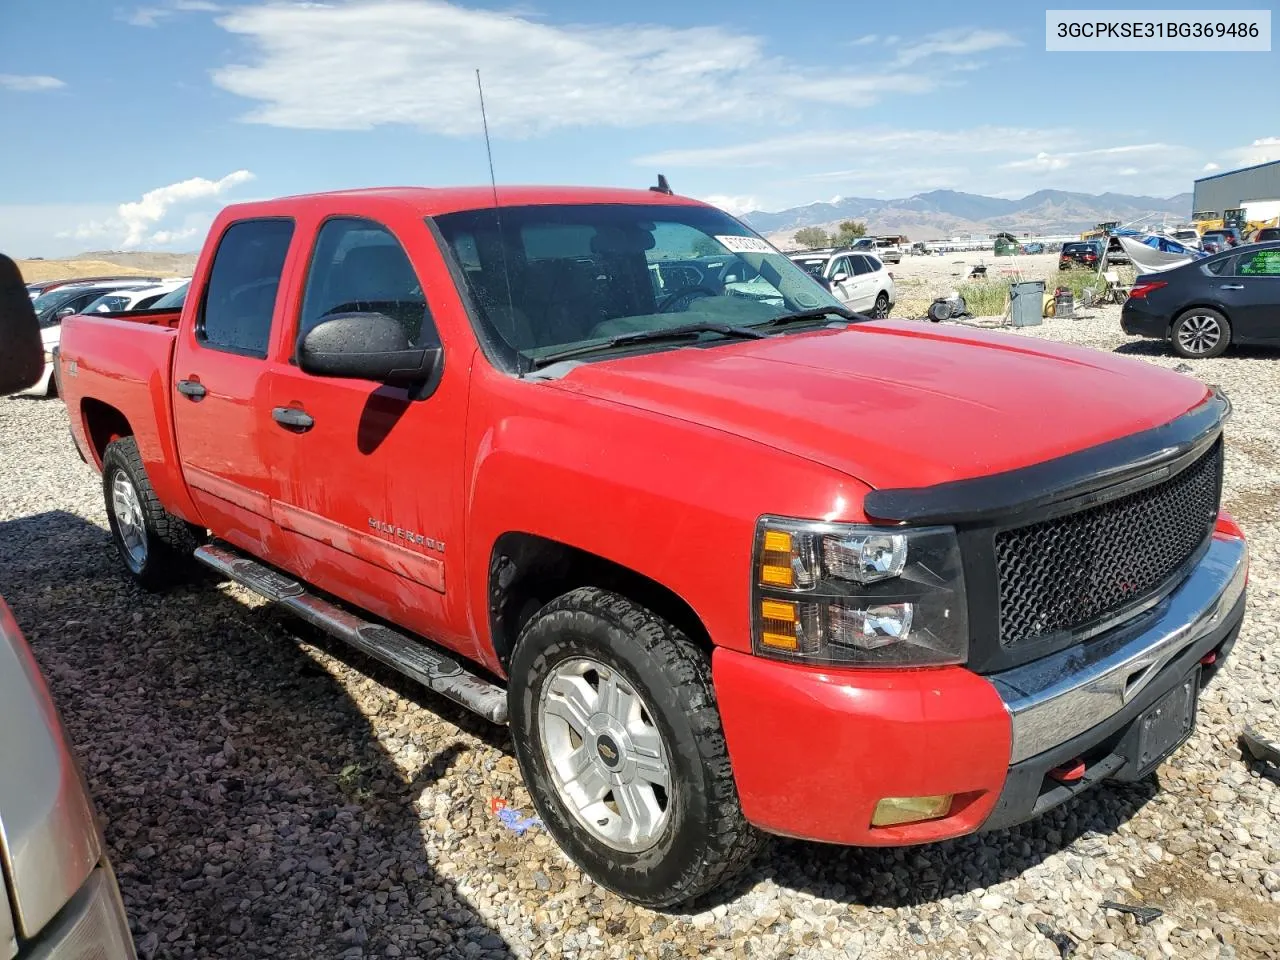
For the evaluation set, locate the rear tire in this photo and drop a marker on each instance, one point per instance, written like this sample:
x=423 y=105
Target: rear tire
x=156 y=546
x=608 y=702
x=881 y=308
x=1200 y=333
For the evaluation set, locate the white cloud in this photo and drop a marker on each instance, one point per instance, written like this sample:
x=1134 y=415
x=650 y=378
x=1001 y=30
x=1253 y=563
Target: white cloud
x=955 y=43
x=1008 y=161
x=146 y=16
x=863 y=144
x=866 y=40
x=136 y=223
x=151 y=16
x=1263 y=150
x=1060 y=161
x=736 y=206
x=29 y=83
x=1211 y=166
x=354 y=65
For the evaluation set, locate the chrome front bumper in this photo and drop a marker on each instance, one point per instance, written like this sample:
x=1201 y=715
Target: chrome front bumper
x=1063 y=695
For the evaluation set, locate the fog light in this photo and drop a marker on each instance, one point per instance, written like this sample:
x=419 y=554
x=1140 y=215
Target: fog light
x=895 y=810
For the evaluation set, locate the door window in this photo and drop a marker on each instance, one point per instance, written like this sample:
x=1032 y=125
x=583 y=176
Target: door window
x=861 y=266
x=1260 y=263
x=360 y=267
x=243 y=282
x=842 y=266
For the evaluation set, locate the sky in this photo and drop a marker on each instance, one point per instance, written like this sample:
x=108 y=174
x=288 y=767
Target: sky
x=129 y=125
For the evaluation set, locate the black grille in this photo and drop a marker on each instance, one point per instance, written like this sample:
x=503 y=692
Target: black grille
x=1065 y=573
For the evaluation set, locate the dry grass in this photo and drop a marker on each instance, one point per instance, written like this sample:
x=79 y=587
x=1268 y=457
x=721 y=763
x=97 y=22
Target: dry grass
x=123 y=264
x=33 y=270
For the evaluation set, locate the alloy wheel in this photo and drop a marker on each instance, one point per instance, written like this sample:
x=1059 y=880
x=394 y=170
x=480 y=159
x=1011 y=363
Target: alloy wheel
x=607 y=758
x=127 y=509
x=1199 y=333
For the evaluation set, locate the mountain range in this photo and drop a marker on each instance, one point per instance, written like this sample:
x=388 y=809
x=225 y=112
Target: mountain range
x=939 y=214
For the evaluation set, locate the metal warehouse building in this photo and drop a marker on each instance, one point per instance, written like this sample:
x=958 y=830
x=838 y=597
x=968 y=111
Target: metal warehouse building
x=1235 y=188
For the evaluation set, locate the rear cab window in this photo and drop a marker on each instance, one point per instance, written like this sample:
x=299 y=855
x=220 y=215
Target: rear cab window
x=240 y=296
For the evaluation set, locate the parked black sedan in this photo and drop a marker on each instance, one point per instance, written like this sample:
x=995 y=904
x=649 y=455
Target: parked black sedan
x=1079 y=253
x=1204 y=306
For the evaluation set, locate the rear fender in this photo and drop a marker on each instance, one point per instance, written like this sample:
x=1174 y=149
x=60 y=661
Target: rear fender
x=115 y=377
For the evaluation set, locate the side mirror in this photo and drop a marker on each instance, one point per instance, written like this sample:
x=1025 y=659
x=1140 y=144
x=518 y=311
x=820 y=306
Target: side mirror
x=22 y=356
x=65 y=312
x=840 y=277
x=370 y=346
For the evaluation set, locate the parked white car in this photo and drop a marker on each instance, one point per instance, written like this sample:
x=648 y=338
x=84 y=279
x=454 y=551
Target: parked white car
x=92 y=298
x=143 y=299
x=859 y=280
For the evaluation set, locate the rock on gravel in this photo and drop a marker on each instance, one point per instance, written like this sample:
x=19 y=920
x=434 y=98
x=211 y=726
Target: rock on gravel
x=270 y=794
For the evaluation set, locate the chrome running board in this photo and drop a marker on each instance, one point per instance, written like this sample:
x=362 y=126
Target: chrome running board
x=416 y=659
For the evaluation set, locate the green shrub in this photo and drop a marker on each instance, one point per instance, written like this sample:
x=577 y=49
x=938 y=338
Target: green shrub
x=985 y=298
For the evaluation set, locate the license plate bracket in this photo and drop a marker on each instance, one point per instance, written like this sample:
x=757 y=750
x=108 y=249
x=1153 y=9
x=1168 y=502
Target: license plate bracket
x=1166 y=724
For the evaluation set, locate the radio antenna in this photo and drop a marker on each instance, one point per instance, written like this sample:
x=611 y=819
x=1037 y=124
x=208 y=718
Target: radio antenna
x=497 y=214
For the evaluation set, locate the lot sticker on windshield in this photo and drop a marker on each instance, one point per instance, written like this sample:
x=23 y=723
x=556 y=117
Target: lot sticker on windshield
x=745 y=244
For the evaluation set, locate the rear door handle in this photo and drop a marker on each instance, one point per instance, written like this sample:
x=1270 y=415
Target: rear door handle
x=1231 y=286
x=291 y=418
x=192 y=389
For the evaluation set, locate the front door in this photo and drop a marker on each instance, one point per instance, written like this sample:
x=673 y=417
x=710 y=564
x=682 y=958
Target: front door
x=1255 y=290
x=370 y=482
x=219 y=384
x=843 y=283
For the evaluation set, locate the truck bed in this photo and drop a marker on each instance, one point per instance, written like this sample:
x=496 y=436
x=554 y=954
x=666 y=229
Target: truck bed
x=117 y=367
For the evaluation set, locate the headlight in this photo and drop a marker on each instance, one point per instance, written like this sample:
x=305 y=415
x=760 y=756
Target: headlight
x=851 y=595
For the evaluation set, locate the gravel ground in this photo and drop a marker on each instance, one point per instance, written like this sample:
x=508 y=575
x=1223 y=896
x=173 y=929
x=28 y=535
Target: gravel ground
x=267 y=793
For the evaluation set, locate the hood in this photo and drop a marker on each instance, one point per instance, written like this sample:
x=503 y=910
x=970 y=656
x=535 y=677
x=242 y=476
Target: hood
x=899 y=404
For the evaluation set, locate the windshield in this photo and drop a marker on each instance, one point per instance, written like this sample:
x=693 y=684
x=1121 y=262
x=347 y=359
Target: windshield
x=172 y=300
x=814 y=265
x=108 y=303
x=568 y=275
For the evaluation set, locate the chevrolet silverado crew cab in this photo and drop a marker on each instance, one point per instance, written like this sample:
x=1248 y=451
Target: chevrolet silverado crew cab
x=729 y=558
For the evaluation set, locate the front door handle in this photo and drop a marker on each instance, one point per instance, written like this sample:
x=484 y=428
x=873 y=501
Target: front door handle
x=192 y=389
x=291 y=418
x=1231 y=286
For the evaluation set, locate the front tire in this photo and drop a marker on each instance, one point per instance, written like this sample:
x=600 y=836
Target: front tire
x=156 y=546
x=616 y=730
x=1200 y=333
x=882 y=306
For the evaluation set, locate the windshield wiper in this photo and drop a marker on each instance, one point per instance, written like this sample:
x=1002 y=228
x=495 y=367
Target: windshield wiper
x=686 y=331
x=817 y=314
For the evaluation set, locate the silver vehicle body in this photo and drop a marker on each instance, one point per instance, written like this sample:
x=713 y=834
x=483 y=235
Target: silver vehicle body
x=58 y=895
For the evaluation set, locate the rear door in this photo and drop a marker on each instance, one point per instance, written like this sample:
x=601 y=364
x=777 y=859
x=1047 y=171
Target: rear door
x=220 y=407
x=1255 y=290
x=369 y=495
x=864 y=285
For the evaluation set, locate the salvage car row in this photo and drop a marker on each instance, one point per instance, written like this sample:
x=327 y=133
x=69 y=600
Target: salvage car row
x=55 y=300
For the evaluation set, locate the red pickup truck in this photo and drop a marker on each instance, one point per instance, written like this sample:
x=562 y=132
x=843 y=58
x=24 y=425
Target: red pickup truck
x=729 y=559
